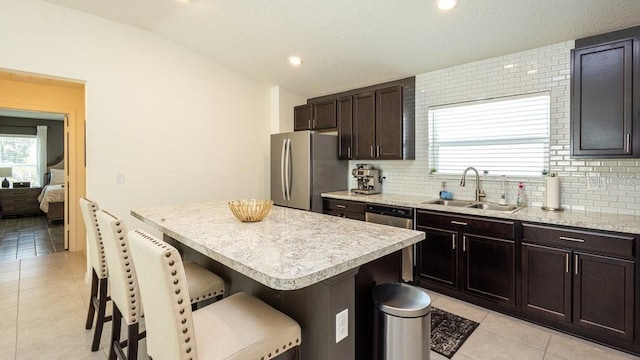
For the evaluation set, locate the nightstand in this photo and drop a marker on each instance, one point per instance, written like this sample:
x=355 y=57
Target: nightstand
x=19 y=201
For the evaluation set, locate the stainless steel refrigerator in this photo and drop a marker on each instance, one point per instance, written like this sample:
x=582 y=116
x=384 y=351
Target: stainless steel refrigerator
x=305 y=164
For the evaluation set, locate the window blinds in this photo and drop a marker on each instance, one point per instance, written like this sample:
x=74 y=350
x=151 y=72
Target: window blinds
x=504 y=136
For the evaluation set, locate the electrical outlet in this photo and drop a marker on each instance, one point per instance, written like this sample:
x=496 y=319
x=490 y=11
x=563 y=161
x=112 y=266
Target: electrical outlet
x=342 y=325
x=119 y=178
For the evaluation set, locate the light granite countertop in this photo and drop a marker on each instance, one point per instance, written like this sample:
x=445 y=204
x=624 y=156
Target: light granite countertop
x=290 y=249
x=589 y=220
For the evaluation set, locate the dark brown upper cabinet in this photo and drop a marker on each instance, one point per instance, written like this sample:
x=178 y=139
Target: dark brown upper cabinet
x=315 y=116
x=345 y=127
x=364 y=125
x=605 y=99
x=302 y=117
x=389 y=128
x=376 y=122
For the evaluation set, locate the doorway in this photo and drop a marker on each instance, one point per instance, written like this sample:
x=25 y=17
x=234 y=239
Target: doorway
x=32 y=92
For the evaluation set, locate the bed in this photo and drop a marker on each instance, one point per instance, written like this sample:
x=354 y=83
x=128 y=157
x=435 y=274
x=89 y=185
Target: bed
x=53 y=194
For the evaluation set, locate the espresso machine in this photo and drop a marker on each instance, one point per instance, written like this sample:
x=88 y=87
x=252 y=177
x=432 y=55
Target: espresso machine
x=369 y=180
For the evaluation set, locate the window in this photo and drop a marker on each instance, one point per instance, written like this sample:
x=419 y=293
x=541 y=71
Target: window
x=20 y=153
x=504 y=136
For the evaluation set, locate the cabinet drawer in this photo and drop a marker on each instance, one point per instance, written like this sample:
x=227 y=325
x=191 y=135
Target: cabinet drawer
x=344 y=214
x=343 y=206
x=24 y=207
x=503 y=229
x=26 y=193
x=592 y=241
x=19 y=200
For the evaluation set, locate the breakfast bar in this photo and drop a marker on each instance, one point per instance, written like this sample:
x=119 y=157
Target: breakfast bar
x=307 y=265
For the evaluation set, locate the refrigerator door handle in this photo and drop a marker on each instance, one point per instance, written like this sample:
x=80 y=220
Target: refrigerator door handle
x=288 y=170
x=282 y=173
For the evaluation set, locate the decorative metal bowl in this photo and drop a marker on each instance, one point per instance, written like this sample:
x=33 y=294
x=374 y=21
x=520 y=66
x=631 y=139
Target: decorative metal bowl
x=250 y=210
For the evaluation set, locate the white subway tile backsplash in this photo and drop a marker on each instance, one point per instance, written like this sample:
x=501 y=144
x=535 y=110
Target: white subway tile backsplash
x=595 y=185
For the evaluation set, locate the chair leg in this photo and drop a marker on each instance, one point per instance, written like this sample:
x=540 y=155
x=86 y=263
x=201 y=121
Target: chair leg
x=132 y=345
x=102 y=307
x=94 y=292
x=115 y=332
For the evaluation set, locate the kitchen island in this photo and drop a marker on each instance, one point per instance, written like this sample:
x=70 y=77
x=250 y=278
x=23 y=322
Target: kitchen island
x=302 y=263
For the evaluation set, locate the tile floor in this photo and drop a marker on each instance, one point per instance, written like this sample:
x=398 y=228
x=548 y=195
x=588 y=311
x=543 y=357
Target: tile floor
x=43 y=304
x=24 y=237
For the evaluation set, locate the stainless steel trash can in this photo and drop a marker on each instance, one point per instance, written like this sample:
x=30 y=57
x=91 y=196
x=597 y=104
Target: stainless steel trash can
x=402 y=322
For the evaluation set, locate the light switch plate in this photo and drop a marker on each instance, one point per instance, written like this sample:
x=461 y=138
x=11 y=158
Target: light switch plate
x=119 y=178
x=342 y=325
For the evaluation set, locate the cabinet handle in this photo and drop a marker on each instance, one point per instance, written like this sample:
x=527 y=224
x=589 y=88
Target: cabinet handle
x=627 y=143
x=371 y=150
x=315 y=123
x=453 y=241
x=341 y=206
x=575 y=265
x=458 y=223
x=310 y=123
x=566 y=258
x=571 y=239
x=349 y=152
x=464 y=243
x=378 y=151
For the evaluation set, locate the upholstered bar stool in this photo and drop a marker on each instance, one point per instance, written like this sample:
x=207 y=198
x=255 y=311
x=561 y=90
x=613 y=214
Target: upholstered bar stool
x=237 y=327
x=127 y=306
x=98 y=266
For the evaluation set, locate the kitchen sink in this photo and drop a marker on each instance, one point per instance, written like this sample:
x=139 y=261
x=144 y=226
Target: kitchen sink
x=474 y=205
x=459 y=203
x=496 y=207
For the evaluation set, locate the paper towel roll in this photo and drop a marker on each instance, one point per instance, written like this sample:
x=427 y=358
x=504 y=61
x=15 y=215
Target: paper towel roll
x=552 y=185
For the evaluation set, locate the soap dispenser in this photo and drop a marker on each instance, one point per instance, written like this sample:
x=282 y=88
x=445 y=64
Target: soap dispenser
x=503 y=191
x=444 y=194
x=520 y=201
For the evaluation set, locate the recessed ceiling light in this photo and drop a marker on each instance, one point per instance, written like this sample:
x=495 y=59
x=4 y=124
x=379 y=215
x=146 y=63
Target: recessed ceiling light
x=295 y=60
x=447 y=4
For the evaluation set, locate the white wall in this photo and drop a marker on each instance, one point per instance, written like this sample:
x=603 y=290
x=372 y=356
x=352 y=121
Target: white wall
x=181 y=127
x=282 y=103
x=609 y=186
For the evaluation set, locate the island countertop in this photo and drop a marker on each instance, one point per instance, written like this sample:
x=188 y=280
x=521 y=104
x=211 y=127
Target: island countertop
x=288 y=250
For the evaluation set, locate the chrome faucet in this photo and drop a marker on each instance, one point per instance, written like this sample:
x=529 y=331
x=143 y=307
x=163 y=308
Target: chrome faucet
x=480 y=195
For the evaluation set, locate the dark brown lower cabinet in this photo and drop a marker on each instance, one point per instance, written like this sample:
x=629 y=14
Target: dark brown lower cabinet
x=343 y=208
x=490 y=267
x=603 y=294
x=438 y=257
x=546 y=282
x=466 y=254
x=582 y=278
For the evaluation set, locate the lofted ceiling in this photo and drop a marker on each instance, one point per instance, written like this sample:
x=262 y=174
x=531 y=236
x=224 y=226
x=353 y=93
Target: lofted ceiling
x=348 y=44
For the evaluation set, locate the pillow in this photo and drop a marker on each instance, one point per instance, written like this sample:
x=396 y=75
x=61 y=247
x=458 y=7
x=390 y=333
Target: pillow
x=57 y=177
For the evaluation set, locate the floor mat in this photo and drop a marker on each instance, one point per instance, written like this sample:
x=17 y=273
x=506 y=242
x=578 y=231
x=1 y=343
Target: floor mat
x=449 y=331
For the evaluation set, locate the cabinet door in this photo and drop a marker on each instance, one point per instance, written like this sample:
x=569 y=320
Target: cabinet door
x=489 y=267
x=546 y=282
x=389 y=123
x=604 y=294
x=324 y=115
x=601 y=100
x=302 y=117
x=345 y=127
x=438 y=256
x=364 y=118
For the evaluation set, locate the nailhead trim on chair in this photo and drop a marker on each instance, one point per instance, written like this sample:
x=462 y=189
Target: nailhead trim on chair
x=185 y=338
x=103 y=258
x=133 y=288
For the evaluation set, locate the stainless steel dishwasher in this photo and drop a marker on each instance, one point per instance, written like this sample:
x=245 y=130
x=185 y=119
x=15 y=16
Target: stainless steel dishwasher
x=397 y=216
